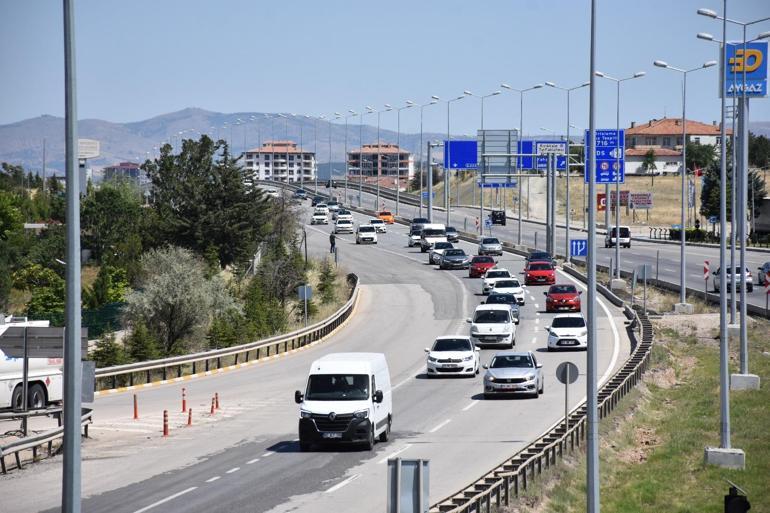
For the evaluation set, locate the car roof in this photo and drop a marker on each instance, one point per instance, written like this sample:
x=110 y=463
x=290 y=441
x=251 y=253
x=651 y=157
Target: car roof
x=493 y=307
x=568 y=315
x=452 y=337
x=541 y=262
x=511 y=352
x=500 y=269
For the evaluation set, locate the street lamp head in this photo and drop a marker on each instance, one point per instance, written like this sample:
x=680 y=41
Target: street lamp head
x=537 y=86
x=707 y=12
x=764 y=35
x=336 y=114
x=495 y=93
x=708 y=64
x=550 y=84
x=387 y=106
x=370 y=109
x=434 y=97
x=585 y=84
x=705 y=36
x=433 y=102
x=639 y=74
x=598 y=73
x=410 y=103
x=467 y=93
x=505 y=86
x=352 y=111
x=661 y=64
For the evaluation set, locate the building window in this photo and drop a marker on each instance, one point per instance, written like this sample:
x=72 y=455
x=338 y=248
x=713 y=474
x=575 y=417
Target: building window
x=267 y=156
x=666 y=141
x=649 y=141
x=696 y=140
x=679 y=141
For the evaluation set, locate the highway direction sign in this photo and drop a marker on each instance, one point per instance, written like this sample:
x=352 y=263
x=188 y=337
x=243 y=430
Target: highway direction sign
x=755 y=64
x=425 y=195
x=41 y=342
x=578 y=247
x=610 y=150
x=542 y=149
x=497 y=185
x=464 y=155
x=713 y=219
x=305 y=292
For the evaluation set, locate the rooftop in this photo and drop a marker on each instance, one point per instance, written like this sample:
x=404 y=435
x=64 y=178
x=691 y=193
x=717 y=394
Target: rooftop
x=659 y=152
x=673 y=126
x=383 y=148
x=277 y=147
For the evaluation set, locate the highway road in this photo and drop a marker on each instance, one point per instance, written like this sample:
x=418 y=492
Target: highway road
x=246 y=457
x=664 y=258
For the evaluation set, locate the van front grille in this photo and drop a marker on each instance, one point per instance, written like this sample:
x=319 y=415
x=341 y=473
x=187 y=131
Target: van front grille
x=340 y=423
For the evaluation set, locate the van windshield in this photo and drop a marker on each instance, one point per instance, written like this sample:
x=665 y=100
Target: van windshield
x=624 y=232
x=433 y=233
x=337 y=387
x=491 y=316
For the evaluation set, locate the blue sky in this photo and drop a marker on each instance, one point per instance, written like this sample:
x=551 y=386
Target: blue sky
x=140 y=58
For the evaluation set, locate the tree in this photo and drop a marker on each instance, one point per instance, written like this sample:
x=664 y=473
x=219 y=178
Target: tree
x=200 y=201
x=265 y=314
x=327 y=282
x=10 y=216
x=174 y=299
x=759 y=151
x=141 y=345
x=648 y=164
x=700 y=155
x=712 y=189
x=110 y=215
x=108 y=352
x=110 y=286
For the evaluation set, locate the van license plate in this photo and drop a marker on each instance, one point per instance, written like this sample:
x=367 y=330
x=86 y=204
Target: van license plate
x=331 y=435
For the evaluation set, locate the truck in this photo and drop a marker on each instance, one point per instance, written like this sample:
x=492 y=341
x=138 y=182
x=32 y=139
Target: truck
x=45 y=374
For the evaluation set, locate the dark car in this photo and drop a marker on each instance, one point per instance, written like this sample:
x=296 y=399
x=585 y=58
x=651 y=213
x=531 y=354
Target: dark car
x=300 y=194
x=497 y=217
x=454 y=258
x=539 y=256
x=505 y=299
x=451 y=234
x=316 y=200
x=420 y=220
x=331 y=183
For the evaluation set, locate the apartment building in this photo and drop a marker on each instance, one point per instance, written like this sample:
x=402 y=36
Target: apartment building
x=283 y=161
x=392 y=161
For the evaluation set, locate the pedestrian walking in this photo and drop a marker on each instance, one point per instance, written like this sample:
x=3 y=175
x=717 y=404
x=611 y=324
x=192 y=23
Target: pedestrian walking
x=332 y=242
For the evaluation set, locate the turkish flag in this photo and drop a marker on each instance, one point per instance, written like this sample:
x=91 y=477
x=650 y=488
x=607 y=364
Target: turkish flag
x=698 y=171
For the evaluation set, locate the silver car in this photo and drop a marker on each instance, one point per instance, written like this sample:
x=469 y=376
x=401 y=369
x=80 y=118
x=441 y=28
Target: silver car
x=747 y=278
x=513 y=373
x=490 y=246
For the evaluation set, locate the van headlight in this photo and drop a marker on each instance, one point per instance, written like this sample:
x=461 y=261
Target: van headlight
x=361 y=414
x=474 y=330
x=305 y=414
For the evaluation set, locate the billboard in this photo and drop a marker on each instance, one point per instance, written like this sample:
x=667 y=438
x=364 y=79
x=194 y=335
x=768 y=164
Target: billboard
x=752 y=62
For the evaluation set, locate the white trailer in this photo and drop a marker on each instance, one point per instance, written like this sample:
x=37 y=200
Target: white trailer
x=45 y=374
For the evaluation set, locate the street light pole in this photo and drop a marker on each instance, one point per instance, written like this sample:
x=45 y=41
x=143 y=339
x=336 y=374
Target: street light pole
x=518 y=159
x=315 y=157
x=682 y=254
x=568 y=90
x=638 y=74
x=449 y=159
x=550 y=201
x=433 y=100
x=351 y=114
x=409 y=105
x=483 y=159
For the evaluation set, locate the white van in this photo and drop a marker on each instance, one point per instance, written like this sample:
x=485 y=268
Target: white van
x=432 y=233
x=347 y=400
x=623 y=238
x=493 y=325
x=45 y=374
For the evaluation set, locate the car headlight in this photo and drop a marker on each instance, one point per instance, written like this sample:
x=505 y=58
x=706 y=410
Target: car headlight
x=530 y=377
x=468 y=358
x=432 y=359
x=361 y=414
x=305 y=414
x=584 y=333
x=491 y=379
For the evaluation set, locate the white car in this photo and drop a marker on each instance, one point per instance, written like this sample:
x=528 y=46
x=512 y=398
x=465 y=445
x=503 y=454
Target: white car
x=343 y=226
x=333 y=205
x=434 y=257
x=567 y=331
x=452 y=355
x=491 y=276
x=323 y=207
x=509 y=286
x=343 y=214
x=319 y=217
x=379 y=224
x=273 y=193
x=366 y=234
x=493 y=325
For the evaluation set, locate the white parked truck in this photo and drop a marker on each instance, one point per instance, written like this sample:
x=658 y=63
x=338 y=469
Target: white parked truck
x=45 y=374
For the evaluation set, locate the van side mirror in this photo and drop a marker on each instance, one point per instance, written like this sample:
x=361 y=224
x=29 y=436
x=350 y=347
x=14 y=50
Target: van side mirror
x=298 y=397
x=468 y=320
x=377 y=398
x=427 y=350
x=539 y=365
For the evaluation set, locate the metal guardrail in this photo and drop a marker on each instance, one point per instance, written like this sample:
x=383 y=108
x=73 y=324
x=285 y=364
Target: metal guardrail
x=177 y=366
x=42 y=412
x=34 y=442
x=516 y=473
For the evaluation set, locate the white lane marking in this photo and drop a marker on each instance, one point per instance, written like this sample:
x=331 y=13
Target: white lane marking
x=211 y=480
x=268 y=453
x=537 y=306
x=447 y=421
x=127 y=430
x=394 y=453
x=251 y=462
x=534 y=340
x=537 y=320
x=343 y=483
x=473 y=403
x=167 y=499
x=235 y=469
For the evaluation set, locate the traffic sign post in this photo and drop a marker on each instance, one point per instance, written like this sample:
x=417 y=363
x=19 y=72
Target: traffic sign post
x=610 y=156
x=567 y=373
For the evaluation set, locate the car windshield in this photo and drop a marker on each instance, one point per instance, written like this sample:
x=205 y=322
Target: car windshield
x=344 y=221
x=501 y=299
x=506 y=284
x=343 y=212
x=419 y=220
x=539 y=256
x=491 y=316
x=624 y=232
x=483 y=260
x=432 y=233
x=451 y=229
x=415 y=231
x=520 y=361
x=332 y=202
x=376 y=221
x=337 y=387
x=454 y=252
x=490 y=240
x=540 y=267
x=442 y=245
x=452 y=344
x=568 y=322
x=498 y=274
x=366 y=229
x=385 y=213
x=563 y=289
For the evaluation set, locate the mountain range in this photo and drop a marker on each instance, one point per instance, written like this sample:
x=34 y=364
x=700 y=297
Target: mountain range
x=22 y=142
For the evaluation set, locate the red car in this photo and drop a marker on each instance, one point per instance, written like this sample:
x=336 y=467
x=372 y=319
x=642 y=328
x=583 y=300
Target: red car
x=479 y=265
x=562 y=297
x=540 y=273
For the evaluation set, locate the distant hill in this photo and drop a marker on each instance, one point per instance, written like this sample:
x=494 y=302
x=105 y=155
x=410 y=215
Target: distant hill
x=22 y=142
x=760 y=127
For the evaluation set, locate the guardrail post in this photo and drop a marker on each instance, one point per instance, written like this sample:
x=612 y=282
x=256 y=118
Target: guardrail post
x=236 y=359
x=179 y=371
x=516 y=485
x=165 y=374
x=207 y=364
x=507 y=485
x=195 y=368
x=149 y=378
x=219 y=362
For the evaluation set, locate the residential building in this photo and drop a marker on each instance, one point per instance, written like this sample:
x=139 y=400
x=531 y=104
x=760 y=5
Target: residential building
x=125 y=170
x=664 y=138
x=393 y=162
x=279 y=160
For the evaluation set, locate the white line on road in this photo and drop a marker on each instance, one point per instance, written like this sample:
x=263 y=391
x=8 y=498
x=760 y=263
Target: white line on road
x=537 y=320
x=473 y=403
x=251 y=462
x=537 y=306
x=211 y=480
x=447 y=421
x=235 y=469
x=167 y=499
x=394 y=453
x=343 y=483
x=268 y=453
x=534 y=340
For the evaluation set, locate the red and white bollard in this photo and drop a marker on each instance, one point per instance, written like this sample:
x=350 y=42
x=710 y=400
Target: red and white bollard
x=184 y=400
x=212 y=407
x=216 y=397
x=136 y=408
x=189 y=417
x=165 y=422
